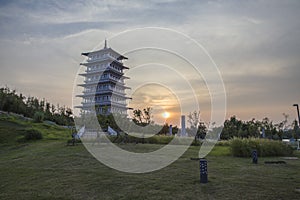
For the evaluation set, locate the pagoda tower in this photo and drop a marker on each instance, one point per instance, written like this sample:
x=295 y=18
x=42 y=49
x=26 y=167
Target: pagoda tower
x=104 y=86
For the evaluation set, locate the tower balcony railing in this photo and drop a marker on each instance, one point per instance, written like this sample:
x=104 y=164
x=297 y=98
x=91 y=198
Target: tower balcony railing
x=104 y=79
x=104 y=103
x=102 y=69
x=100 y=58
x=103 y=57
x=102 y=91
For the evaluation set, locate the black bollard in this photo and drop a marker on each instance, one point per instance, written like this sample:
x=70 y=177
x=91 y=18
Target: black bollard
x=254 y=157
x=203 y=171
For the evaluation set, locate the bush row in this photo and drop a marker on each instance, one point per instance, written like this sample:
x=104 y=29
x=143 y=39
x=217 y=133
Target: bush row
x=243 y=147
x=157 y=139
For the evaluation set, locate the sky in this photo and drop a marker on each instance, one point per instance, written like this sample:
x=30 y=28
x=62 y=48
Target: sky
x=255 y=45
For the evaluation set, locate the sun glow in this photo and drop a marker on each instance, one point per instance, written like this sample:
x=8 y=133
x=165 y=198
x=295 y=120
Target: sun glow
x=166 y=115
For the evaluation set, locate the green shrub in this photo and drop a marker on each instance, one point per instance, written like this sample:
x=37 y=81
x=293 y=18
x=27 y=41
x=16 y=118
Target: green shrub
x=243 y=147
x=196 y=142
x=38 y=117
x=159 y=139
x=156 y=139
x=223 y=143
x=33 y=134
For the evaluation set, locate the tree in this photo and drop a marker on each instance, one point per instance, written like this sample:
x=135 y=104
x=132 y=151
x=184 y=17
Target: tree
x=202 y=130
x=165 y=129
x=53 y=109
x=231 y=128
x=282 y=126
x=270 y=129
x=193 y=120
x=38 y=117
x=32 y=107
x=10 y=101
x=197 y=127
x=254 y=129
x=174 y=130
x=142 y=117
x=234 y=127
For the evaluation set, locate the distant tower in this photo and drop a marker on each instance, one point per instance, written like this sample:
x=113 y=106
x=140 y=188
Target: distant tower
x=183 y=131
x=104 y=87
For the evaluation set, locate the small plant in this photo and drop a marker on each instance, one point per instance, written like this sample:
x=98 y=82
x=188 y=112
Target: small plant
x=38 y=117
x=33 y=134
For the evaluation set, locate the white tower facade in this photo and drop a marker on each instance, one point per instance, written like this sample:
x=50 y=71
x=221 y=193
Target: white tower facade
x=104 y=85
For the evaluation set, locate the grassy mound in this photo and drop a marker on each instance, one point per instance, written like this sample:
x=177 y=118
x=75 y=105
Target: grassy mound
x=14 y=129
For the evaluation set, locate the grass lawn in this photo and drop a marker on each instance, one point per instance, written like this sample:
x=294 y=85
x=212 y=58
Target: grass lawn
x=48 y=169
x=51 y=170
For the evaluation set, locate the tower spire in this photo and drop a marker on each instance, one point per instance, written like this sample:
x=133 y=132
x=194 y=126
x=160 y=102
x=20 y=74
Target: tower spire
x=105 y=44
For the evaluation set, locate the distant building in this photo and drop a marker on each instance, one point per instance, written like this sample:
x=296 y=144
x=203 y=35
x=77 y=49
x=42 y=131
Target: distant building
x=104 y=86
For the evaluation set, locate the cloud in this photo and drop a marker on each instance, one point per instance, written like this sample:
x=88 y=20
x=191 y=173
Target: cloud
x=255 y=44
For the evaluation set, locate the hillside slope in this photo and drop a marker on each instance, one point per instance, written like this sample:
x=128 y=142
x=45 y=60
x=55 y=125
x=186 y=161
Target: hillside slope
x=13 y=128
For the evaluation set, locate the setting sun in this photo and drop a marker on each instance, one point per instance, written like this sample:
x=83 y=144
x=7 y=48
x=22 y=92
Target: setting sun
x=166 y=115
